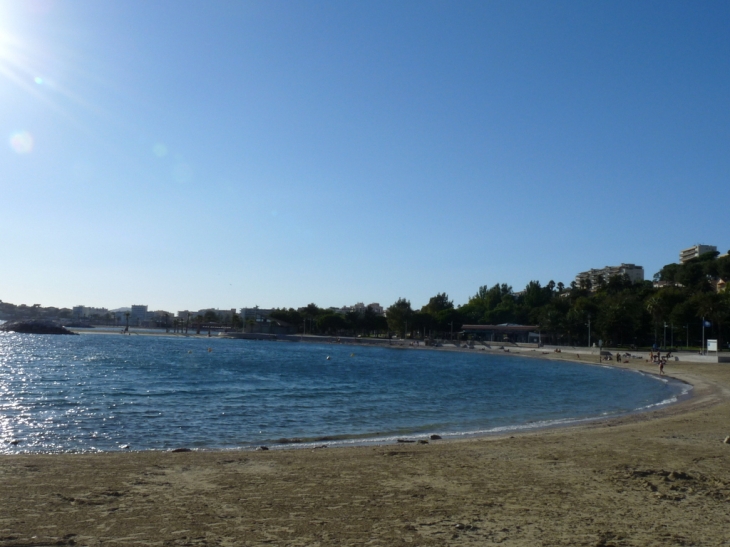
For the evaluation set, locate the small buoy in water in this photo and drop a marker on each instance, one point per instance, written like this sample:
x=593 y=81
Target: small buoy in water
x=210 y=349
x=190 y=351
x=328 y=357
x=352 y=355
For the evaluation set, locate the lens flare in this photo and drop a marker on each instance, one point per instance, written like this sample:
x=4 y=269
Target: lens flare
x=160 y=150
x=21 y=142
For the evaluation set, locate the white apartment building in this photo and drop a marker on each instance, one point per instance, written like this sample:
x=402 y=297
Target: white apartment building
x=635 y=274
x=694 y=251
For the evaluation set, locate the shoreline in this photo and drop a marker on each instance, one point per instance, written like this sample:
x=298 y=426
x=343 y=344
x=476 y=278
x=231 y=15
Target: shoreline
x=653 y=478
x=545 y=352
x=366 y=440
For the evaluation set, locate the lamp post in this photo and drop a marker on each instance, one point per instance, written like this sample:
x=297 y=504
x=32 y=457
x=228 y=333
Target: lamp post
x=589 y=330
x=664 y=345
x=686 y=328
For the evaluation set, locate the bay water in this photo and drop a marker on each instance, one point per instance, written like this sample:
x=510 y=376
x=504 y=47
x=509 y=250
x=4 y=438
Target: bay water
x=111 y=392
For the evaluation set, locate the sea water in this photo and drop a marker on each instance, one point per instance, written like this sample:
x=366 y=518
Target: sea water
x=109 y=392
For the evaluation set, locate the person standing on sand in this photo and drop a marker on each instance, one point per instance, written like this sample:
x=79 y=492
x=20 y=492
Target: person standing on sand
x=661 y=367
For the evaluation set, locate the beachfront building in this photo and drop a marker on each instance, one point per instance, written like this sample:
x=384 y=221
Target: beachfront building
x=256 y=314
x=695 y=251
x=271 y=326
x=119 y=315
x=594 y=276
x=504 y=332
x=137 y=314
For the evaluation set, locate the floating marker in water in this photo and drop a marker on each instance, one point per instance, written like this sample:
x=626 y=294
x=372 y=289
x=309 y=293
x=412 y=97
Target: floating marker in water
x=352 y=355
x=328 y=357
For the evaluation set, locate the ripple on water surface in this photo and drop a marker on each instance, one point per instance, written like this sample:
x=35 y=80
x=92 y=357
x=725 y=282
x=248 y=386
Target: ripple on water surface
x=90 y=393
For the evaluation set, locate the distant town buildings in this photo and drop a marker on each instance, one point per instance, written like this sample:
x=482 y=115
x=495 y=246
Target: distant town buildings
x=594 y=276
x=83 y=312
x=695 y=251
x=360 y=308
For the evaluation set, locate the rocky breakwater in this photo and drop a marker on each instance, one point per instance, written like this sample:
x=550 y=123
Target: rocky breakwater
x=34 y=327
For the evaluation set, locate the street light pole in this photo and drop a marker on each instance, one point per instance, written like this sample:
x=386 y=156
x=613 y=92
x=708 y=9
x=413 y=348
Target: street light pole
x=665 y=335
x=589 y=330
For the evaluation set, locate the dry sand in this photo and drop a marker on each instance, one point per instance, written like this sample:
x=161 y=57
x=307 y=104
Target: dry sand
x=659 y=478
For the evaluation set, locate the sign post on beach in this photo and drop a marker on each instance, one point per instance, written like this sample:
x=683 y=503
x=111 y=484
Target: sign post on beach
x=600 y=345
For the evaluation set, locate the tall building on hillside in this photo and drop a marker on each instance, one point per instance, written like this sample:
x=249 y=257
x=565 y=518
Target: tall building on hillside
x=694 y=251
x=635 y=274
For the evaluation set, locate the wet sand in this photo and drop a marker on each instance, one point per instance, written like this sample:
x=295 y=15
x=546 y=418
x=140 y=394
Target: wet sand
x=657 y=478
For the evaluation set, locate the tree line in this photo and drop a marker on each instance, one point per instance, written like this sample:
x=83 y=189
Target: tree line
x=671 y=310
x=668 y=311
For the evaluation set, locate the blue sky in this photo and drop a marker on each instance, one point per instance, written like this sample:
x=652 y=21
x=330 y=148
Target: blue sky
x=187 y=154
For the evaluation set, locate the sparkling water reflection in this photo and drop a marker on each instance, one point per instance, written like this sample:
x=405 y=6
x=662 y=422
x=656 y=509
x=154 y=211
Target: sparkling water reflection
x=100 y=392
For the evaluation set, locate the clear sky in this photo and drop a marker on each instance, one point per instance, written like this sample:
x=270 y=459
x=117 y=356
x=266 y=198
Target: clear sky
x=187 y=154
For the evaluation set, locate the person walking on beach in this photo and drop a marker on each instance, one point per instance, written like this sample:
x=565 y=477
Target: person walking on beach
x=661 y=366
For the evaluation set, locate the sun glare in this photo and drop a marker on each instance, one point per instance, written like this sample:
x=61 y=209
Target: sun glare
x=14 y=65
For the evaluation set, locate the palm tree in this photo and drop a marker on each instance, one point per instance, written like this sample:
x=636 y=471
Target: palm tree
x=654 y=307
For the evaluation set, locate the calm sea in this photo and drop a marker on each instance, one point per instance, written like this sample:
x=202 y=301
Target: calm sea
x=104 y=392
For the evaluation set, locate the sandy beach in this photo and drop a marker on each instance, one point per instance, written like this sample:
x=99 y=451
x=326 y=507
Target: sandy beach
x=657 y=478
